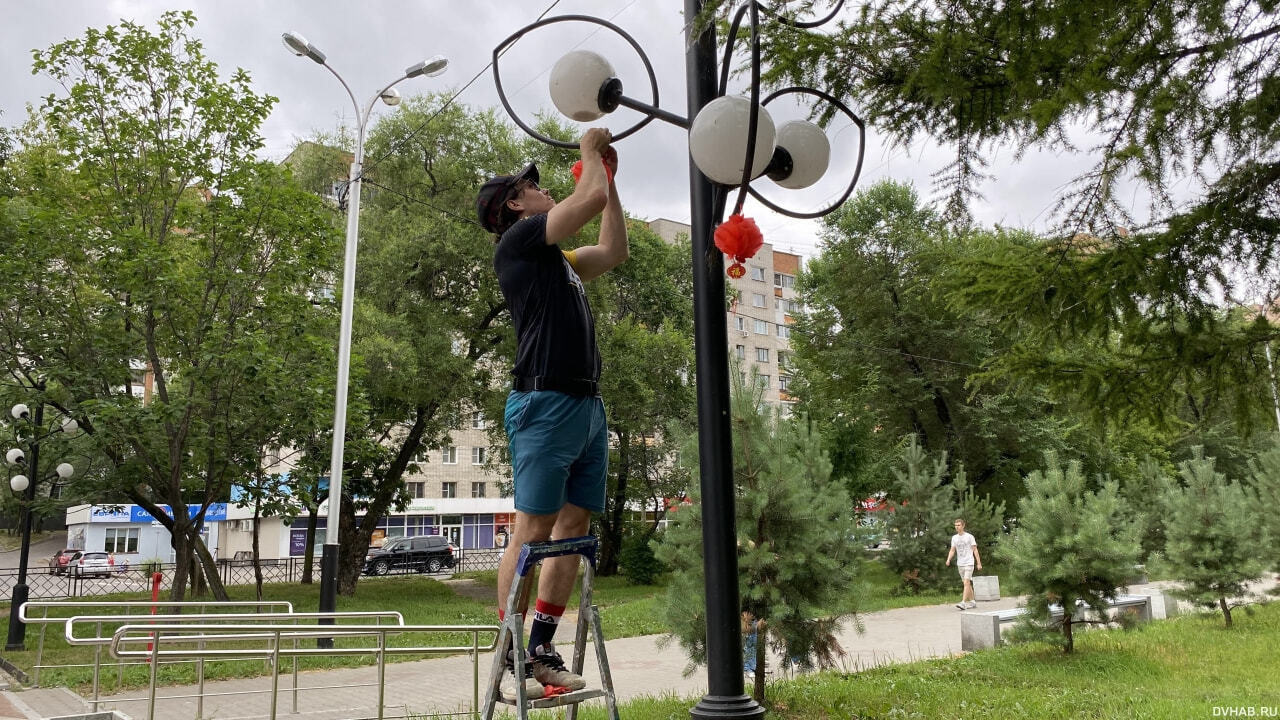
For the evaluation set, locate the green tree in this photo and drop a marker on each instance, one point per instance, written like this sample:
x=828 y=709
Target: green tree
x=1178 y=98
x=644 y=325
x=920 y=524
x=1072 y=548
x=793 y=525
x=880 y=354
x=1216 y=543
x=176 y=253
x=1264 y=480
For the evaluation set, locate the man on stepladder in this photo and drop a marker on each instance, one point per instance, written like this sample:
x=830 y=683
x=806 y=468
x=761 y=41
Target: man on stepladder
x=554 y=416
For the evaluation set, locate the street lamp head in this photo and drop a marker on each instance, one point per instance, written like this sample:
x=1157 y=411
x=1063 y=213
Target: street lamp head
x=19 y=483
x=70 y=425
x=430 y=67
x=718 y=139
x=15 y=457
x=20 y=412
x=576 y=82
x=298 y=45
x=65 y=470
x=391 y=97
x=805 y=147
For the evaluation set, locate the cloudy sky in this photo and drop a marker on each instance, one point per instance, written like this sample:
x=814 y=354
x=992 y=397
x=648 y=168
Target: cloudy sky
x=371 y=43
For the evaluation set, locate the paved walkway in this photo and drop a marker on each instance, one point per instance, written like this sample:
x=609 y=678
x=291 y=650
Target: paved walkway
x=640 y=667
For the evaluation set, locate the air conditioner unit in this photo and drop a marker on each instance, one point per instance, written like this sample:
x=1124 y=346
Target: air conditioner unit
x=744 y=333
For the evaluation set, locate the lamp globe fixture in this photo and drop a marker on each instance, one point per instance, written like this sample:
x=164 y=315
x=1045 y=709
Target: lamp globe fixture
x=65 y=470
x=576 y=80
x=19 y=483
x=15 y=457
x=718 y=139
x=810 y=153
x=20 y=411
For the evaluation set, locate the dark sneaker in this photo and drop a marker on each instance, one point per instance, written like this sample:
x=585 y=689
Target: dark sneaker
x=549 y=669
x=532 y=688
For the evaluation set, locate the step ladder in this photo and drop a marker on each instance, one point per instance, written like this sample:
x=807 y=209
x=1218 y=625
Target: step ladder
x=512 y=631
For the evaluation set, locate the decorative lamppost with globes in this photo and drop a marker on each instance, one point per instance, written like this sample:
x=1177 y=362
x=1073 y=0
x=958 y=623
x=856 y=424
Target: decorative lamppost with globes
x=431 y=67
x=732 y=142
x=30 y=431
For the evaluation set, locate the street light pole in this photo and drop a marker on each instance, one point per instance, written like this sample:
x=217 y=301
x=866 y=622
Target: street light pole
x=725 y=697
x=17 y=629
x=329 y=557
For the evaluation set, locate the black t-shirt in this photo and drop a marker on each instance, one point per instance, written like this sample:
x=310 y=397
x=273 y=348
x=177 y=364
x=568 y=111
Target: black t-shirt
x=555 y=331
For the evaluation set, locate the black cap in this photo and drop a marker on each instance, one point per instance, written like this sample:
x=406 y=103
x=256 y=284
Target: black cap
x=493 y=196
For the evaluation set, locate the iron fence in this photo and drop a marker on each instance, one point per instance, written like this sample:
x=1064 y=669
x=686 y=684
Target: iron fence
x=47 y=585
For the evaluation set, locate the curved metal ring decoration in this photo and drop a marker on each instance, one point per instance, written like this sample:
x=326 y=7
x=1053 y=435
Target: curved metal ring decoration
x=497 y=77
x=857 y=172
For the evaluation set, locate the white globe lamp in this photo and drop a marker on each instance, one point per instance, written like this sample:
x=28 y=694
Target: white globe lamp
x=575 y=82
x=810 y=152
x=19 y=483
x=65 y=470
x=718 y=139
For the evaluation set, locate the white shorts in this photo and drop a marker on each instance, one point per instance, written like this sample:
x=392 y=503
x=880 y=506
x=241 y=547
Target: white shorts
x=966 y=572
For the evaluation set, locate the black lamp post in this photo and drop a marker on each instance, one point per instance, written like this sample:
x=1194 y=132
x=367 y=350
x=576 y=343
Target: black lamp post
x=26 y=484
x=732 y=142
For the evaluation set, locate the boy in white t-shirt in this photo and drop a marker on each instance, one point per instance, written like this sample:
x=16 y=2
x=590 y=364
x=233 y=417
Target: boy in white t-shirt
x=965 y=550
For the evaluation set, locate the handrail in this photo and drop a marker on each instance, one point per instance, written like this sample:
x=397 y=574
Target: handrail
x=47 y=604
x=99 y=620
x=161 y=634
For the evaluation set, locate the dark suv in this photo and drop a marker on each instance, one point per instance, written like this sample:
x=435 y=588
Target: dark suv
x=424 y=553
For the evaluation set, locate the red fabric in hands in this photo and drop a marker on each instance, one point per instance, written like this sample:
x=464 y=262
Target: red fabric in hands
x=577 y=171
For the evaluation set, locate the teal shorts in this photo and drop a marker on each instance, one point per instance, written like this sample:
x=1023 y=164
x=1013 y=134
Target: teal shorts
x=559 y=450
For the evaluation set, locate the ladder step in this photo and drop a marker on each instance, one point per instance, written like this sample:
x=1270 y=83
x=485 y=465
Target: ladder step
x=572 y=698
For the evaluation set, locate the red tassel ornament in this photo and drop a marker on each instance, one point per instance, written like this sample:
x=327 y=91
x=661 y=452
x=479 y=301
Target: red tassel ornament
x=577 y=171
x=739 y=238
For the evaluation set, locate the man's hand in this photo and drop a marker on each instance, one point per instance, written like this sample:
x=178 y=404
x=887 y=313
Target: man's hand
x=595 y=141
x=947 y=563
x=979 y=566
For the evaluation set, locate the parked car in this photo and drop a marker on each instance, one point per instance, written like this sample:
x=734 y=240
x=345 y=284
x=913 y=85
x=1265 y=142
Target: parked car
x=85 y=563
x=58 y=563
x=424 y=553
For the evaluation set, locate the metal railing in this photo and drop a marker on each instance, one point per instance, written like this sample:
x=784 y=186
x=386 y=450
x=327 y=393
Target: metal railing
x=160 y=635
x=98 y=640
x=45 y=584
x=79 y=606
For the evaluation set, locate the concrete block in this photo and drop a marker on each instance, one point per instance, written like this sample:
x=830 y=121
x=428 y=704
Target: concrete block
x=979 y=630
x=986 y=587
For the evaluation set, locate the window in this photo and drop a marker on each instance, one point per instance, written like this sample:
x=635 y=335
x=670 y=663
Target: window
x=784 y=383
x=757 y=300
x=477 y=420
x=763 y=381
x=762 y=327
x=449 y=490
x=740 y=322
x=788 y=306
x=449 y=456
x=417 y=489
x=784 y=331
x=122 y=540
x=784 y=281
x=477 y=489
x=784 y=360
x=478 y=455
x=762 y=354
x=459 y=347
x=757 y=273
x=741 y=352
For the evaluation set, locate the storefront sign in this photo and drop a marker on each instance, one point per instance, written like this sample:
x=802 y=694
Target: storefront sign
x=136 y=514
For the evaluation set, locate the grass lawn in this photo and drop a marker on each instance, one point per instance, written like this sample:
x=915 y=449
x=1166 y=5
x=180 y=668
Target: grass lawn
x=1174 y=669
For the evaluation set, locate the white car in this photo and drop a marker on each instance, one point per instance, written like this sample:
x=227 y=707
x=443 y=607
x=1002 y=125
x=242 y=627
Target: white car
x=92 y=562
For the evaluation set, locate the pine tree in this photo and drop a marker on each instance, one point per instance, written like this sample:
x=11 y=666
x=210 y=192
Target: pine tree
x=921 y=519
x=1216 y=545
x=1264 y=480
x=983 y=518
x=793 y=524
x=1073 y=548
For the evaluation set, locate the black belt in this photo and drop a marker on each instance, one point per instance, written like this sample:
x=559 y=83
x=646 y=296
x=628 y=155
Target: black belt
x=583 y=388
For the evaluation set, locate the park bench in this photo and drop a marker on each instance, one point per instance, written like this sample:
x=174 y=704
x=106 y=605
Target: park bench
x=981 y=629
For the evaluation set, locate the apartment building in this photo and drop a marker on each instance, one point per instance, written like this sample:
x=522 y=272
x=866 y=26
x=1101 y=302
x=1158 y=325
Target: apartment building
x=759 y=318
